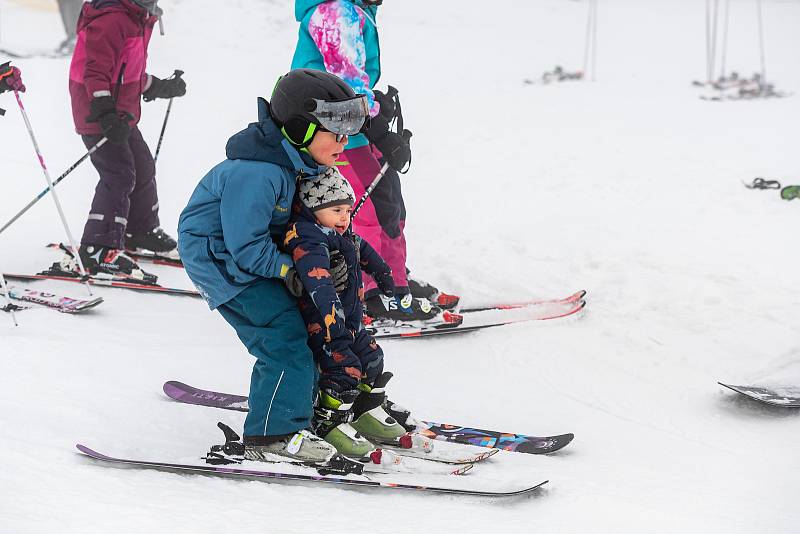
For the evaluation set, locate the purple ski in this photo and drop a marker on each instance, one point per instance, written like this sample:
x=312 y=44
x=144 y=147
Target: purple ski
x=443 y=432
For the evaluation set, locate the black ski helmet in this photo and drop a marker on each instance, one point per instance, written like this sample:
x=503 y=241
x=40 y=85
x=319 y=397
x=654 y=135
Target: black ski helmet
x=296 y=100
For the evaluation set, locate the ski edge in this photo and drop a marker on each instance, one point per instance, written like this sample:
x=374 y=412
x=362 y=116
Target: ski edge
x=91 y=453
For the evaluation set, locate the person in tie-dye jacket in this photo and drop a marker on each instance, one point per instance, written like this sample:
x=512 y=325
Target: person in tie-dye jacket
x=341 y=37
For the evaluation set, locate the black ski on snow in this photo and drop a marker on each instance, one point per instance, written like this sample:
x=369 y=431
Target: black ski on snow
x=371 y=481
x=785 y=397
x=440 y=431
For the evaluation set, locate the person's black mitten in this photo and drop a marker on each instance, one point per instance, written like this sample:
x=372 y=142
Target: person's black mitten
x=113 y=123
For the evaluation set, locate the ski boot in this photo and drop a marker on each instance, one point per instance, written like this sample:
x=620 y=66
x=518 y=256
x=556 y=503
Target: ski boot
x=400 y=308
x=302 y=446
x=332 y=415
x=100 y=260
x=423 y=290
x=156 y=241
x=371 y=419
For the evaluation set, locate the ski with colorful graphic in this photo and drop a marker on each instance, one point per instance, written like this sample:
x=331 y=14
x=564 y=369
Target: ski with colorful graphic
x=51 y=300
x=288 y=472
x=443 y=432
x=110 y=281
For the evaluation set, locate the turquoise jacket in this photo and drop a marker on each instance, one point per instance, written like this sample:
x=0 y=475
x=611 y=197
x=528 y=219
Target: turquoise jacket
x=228 y=231
x=341 y=37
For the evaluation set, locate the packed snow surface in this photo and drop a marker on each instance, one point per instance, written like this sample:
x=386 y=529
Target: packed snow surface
x=629 y=186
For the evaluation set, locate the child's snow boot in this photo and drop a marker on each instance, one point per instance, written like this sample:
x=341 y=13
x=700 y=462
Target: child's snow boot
x=332 y=415
x=371 y=419
x=423 y=290
x=400 y=308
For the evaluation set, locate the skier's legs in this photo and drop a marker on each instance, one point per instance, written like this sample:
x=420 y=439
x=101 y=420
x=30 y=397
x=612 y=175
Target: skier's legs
x=70 y=11
x=282 y=384
x=362 y=169
x=339 y=367
x=359 y=173
x=143 y=212
x=108 y=215
x=369 y=354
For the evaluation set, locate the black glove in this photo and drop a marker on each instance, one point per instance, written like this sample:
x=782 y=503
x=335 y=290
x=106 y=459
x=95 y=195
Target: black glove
x=113 y=123
x=387 y=103
x=396 y=148
x=169 y=88
x=293 y=283
x=338 y=271
x=385 y=283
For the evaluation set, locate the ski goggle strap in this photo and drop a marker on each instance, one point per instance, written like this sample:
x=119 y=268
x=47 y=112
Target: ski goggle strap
x=345 y=117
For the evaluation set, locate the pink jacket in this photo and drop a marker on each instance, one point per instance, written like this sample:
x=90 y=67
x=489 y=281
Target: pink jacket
x=110 y=59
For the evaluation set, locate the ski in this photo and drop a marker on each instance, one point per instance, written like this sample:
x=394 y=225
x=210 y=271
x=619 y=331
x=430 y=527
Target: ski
x=139 y=255
x=786 y=397
x=575 y=297
x=309 y=474
x=51 y=300
x=553 y=310
x=443 y=432
x=118 y=282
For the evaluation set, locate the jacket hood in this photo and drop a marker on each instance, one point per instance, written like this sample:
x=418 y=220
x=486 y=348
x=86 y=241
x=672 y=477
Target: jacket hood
x=302 y=7
x=98 y=8
x=263 y=141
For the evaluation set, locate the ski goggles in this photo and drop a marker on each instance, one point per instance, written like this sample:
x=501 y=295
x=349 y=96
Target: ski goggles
x=343 y=118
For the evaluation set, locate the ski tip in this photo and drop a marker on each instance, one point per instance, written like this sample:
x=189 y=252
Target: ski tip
x=462 y=469
x=174 y=389
x=89 y=452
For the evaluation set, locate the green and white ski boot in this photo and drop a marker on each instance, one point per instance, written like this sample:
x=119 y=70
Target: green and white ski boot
x=371 y=419
x=332 y=415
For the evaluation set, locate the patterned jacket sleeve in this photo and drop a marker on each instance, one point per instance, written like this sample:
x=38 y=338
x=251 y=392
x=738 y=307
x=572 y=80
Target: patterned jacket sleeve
x=337 y=29
x=307 y=244
x=371 y=261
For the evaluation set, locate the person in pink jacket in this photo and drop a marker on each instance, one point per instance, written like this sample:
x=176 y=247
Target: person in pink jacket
x=107 y=80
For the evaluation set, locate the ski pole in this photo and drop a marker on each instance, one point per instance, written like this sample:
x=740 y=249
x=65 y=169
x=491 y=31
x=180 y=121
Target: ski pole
x=177 y=74
x=51 y=189
x=41 y=195
x=372 y=186
x=9 y=306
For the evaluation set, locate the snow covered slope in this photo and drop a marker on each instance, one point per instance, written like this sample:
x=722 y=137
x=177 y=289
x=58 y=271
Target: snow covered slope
x=629 y=187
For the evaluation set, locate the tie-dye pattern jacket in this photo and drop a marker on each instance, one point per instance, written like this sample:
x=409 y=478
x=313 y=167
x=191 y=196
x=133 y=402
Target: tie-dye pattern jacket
x=341 y=37
x=337 y=316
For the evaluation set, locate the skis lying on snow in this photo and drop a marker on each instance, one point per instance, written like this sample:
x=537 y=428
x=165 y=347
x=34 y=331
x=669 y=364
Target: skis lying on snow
x=106 y=281
x=51 y=300
x=787 y=397
x=289 y=472
x=438 y=431
x=139 y=255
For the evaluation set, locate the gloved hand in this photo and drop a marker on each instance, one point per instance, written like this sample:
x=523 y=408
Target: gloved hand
x=10 y=78
x=396 y=148
x=385 y=283
x=293 y=283
x=169 y=88
x=386 y=102
x=338 y=271
x=113 y=123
